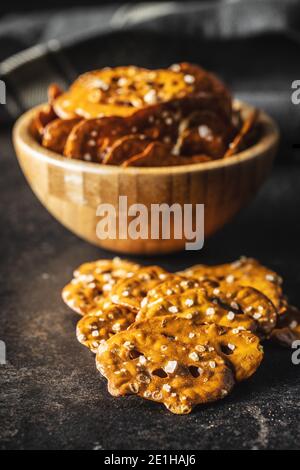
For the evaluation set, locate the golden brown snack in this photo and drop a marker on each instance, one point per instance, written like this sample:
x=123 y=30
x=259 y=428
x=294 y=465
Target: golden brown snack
x=288 y=327
x=56 y=133
x=133 y=290
x=196 y=303
x=203 y=132
x=174 y=285
x=100 y=324
x=158 y=360
x=244 y=303
x=54 y=91
x=94 y=280
x=124 y=148
x=157 y=154
x=121 y=91
x=208 y=83
x=134 y=364
x=240 y=140
x=182 y=111
x=42 y=118
x=94 y=139
x=244 y=272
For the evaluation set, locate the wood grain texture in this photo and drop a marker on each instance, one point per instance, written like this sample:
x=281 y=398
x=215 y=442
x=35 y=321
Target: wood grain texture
x=71 y=190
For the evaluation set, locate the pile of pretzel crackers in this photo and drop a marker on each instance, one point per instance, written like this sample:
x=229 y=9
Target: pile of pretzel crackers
x=131 y=116
x=183 y=338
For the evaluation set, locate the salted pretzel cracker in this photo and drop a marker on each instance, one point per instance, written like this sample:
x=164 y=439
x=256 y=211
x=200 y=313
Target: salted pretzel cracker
x=155 y=154
x=131 y=291
x=103 y=322
x=244 y=272
x=195 y=303
x=56 y=133
x=125 y=148
x=42 y=118
x=288 y=327
x=120 y=91
x=136 y=117
x=164 y=121
x=53 y=92
x=94 y=280
x=45 y=114
x=242 y=302
x=158 y=360
x=208 y=83
x=240 y=348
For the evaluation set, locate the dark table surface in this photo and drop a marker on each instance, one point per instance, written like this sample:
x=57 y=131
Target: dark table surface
x=50 y=393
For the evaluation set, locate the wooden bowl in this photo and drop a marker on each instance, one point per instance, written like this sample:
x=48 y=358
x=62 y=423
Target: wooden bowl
x=71 y=190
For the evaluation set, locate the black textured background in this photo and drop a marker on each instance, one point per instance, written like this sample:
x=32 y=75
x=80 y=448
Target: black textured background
x=50 y=393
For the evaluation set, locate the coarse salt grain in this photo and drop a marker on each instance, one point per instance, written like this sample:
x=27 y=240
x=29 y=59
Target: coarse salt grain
x=257 y=316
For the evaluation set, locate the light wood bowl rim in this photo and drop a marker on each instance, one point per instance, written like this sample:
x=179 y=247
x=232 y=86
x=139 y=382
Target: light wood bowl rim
x=22 y=136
